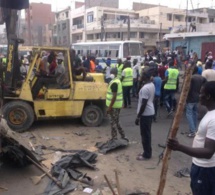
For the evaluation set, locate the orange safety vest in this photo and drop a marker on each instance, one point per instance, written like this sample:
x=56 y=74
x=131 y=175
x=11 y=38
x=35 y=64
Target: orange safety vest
x=92 y=67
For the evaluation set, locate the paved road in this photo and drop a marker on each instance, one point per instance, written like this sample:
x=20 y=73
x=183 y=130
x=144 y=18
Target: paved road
x=134 y=175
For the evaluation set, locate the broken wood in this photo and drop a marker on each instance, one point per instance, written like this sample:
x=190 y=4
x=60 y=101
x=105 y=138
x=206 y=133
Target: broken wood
x=109 y=185
x=117 y=182
x=32 y=147
x=36 y=179
x=46 y=172
x=175 y=125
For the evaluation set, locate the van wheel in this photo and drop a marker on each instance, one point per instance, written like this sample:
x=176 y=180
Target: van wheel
x=92 y=116
x=19 y=115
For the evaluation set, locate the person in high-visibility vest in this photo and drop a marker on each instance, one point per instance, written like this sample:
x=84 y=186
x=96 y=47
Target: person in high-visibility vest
x=119 y=67
x=127 y=83
x=171 y=86
x=114 y=102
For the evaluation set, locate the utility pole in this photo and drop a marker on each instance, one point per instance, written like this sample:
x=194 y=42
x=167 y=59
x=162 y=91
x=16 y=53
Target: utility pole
x=102 y=28
x=160 y=32
x=129 y=28
x=187 y=17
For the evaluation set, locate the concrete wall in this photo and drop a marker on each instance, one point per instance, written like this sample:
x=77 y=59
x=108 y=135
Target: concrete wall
x=103 y=3
x=140 y=6
x=192 y=43
x=63 y=33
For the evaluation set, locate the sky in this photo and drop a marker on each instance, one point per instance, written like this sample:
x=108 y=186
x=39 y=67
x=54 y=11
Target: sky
x=127 y=4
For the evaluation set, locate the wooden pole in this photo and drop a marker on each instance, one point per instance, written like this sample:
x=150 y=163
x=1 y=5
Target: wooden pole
x=46 y=172
x=175 y=126
x=117 y=182
x=109 y=185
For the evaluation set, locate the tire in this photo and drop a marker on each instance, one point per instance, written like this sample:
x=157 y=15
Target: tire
x=92 y=116
x=19 y=115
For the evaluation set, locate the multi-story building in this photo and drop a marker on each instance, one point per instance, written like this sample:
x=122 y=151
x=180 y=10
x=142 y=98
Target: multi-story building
x=87 y=26
x=174 y=18
x=61 y=31
x=37 y=16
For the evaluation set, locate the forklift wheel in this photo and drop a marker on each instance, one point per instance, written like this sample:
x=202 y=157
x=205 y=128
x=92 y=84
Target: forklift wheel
x=92 y=116
x=19 y=115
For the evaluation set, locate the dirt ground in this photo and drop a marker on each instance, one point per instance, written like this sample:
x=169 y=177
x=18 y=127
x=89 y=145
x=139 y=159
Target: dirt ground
x=134 y=175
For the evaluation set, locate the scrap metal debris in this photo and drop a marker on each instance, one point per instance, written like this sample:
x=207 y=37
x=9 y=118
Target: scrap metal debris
x=14 y=147
x=112 y=144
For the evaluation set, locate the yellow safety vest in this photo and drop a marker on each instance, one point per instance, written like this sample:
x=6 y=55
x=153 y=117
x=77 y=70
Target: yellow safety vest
x=119 y=68
x=128 y=77
x=113 y=66
x=119 y=97
x=172 y=79
x=4 y=60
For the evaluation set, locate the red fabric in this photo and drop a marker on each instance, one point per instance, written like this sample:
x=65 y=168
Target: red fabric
x=52 y=66
x=161 y=71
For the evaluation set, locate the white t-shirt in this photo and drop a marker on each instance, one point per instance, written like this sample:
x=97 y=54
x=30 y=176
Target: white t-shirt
x=209 y=74
x=206 y=129
x=136 y=70
x=107 y=75
x=147 y=92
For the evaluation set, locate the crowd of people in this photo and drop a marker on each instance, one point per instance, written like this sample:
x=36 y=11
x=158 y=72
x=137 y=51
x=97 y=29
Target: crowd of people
x=156 y=82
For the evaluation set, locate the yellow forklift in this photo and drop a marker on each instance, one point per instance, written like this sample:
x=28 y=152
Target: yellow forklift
x=78 y=99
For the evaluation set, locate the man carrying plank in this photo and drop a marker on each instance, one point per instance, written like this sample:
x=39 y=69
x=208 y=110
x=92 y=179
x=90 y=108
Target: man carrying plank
x=203 y=149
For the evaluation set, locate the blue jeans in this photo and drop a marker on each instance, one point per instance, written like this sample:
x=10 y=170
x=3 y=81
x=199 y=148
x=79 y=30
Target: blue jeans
x=202 y=180
x=192 y=116
x=169 y=96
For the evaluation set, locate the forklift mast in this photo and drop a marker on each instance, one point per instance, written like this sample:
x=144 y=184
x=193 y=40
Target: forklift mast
x=10 y=11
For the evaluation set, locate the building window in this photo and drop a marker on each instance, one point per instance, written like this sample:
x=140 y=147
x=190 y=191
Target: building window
x=59 y=40
x=90 y=17
x=133 y=35
x=142 y=34
x=58 y=27
x=57 y=15
x=98 y=35
x=169 y=17
x=64 y=39
x=67 y=14
x=178 y=18
x=63 y=26
x=211 y=20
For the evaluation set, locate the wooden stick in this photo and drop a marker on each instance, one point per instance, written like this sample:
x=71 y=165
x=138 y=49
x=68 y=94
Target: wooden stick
x=117 y=182
x=109 y=185
x=47 y=173
x=175 y=126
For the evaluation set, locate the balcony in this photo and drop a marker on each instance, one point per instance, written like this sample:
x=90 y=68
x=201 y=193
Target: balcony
x=77 y=28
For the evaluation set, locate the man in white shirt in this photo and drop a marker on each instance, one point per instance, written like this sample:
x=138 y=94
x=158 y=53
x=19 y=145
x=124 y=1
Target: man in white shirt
x=145 y=114
x=209 y=73
x=203 y=149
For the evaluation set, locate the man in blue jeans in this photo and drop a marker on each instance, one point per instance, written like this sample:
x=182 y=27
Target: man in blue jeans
x=192 y=101
x=203 y=150
x=171 y=86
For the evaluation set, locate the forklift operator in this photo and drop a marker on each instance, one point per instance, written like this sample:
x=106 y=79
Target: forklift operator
x=58 y=78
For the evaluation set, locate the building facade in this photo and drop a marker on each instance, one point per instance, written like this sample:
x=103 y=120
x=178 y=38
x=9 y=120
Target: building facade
x=37 y=17
x=61 y=30
x=87 y=26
